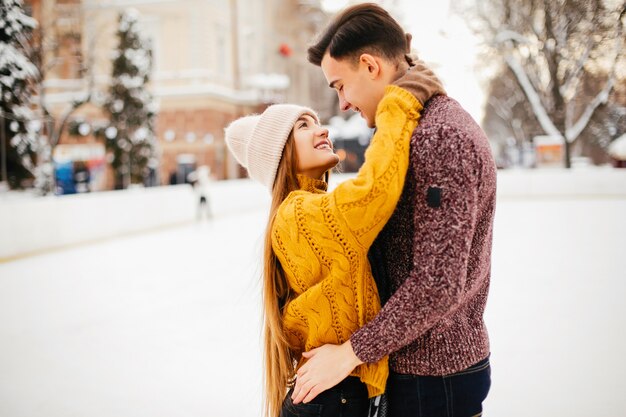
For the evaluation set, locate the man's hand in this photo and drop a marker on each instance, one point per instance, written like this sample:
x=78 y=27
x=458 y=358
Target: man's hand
x=326 y=366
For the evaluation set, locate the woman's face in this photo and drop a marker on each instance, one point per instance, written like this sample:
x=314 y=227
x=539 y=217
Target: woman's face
x=314 y=149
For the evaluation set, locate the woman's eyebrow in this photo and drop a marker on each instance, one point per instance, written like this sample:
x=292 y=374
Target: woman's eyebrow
x=306 y=118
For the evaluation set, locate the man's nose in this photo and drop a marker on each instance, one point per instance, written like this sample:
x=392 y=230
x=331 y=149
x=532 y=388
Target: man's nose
x=343 y=104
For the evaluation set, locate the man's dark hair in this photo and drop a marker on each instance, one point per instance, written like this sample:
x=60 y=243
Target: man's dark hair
x=363 y=28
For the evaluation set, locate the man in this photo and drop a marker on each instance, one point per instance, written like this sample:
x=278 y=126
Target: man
x=432 y=260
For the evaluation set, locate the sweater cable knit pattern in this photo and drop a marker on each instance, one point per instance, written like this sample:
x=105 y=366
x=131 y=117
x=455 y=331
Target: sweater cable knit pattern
x=321 y=240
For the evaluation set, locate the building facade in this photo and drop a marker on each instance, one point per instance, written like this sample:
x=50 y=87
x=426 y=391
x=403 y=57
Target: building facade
x=213 y=61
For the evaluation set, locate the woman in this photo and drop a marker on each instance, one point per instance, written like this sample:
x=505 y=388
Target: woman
x=318 y=287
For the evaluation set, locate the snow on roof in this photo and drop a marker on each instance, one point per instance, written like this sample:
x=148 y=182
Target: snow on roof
x=354 y=128
x=617 y=148
x=547 y=140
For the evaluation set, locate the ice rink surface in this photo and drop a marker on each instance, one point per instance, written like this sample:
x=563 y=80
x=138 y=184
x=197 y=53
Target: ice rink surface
x=167 y=323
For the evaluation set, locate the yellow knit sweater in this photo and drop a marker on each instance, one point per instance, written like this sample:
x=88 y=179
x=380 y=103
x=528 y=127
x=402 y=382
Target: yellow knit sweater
x=321 y=239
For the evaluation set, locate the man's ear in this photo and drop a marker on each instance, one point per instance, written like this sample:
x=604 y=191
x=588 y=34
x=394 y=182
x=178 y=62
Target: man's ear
x=371 y=63
x=408 y=37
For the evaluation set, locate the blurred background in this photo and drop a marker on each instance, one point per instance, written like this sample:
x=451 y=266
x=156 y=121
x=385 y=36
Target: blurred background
x=130 y=238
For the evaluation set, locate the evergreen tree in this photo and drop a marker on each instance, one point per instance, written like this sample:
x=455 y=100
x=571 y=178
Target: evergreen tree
x=18 y=141
x=130 y=137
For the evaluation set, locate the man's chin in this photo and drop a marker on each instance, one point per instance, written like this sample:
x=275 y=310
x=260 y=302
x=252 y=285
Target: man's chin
x=371 y=123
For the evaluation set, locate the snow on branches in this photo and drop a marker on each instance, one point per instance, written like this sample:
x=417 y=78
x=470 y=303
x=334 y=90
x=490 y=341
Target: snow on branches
x=564 y=54
x=17 y=76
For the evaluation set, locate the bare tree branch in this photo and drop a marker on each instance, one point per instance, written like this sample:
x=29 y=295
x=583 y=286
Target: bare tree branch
x=572 y=133
x=504 y=112
x=571 y=79
x=56 y=126
x=542 y=116
x=510 y=35
x=557 y=50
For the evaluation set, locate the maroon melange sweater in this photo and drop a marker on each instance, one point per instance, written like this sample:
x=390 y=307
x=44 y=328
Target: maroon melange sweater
x=434 y=255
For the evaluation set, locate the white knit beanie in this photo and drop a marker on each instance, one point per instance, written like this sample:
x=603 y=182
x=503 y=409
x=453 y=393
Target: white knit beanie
x=257 y=141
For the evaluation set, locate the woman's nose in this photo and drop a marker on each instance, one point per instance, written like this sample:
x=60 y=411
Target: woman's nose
x=322 y=131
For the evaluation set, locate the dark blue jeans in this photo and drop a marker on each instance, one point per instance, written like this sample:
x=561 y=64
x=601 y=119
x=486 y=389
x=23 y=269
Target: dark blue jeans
x=346 y=399
x=456 y=395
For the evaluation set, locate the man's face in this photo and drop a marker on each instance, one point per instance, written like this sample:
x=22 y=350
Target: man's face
x=359 y=87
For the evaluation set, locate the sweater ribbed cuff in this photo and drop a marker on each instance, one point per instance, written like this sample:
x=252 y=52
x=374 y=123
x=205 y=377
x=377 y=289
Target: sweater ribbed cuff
x=374 y=376
x=406 y=99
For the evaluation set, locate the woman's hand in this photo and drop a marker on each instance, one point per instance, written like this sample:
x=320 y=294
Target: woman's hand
x=326 y=366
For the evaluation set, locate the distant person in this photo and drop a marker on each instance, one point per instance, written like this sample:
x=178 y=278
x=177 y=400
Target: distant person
x=317 y=283
x=82 y=177
x=432 y=261
x=201 y=181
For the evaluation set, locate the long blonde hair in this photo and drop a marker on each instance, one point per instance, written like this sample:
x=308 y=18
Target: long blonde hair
x=279 y=358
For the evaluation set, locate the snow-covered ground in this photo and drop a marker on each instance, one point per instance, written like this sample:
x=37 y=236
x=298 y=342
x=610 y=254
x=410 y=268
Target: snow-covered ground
x=167 y=323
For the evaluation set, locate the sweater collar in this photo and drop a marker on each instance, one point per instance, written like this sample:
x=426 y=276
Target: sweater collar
x=311 y=184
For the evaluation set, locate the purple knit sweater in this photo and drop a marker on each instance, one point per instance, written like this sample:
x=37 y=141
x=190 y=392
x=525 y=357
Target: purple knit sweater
x=434 y=255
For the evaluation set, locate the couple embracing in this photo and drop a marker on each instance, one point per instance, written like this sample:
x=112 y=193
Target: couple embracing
x=374 y=293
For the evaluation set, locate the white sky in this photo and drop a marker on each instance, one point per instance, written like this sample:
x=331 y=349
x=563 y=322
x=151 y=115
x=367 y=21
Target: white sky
x=443 y=41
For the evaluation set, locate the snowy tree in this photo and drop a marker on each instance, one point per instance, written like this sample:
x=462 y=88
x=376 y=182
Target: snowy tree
x=54 y=59
x=19 y=143
x=508 y=120
x=130 y=137
x=552 y=46
x=607 y=124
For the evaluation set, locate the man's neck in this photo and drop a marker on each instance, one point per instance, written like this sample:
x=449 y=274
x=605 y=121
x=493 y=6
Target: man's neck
x=401 y=68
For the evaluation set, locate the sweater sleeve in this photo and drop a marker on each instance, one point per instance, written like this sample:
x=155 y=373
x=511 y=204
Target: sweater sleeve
x=442 y=239
x=366 y=202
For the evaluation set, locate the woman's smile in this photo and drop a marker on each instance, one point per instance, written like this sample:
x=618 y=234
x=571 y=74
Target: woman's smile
x=324 y=145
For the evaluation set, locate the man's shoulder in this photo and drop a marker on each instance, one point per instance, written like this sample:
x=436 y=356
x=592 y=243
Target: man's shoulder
x=444 y=122
x=443 y=111
x=447 y=135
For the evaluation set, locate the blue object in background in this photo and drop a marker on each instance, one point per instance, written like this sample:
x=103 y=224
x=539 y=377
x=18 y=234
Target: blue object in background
x=64 y=172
